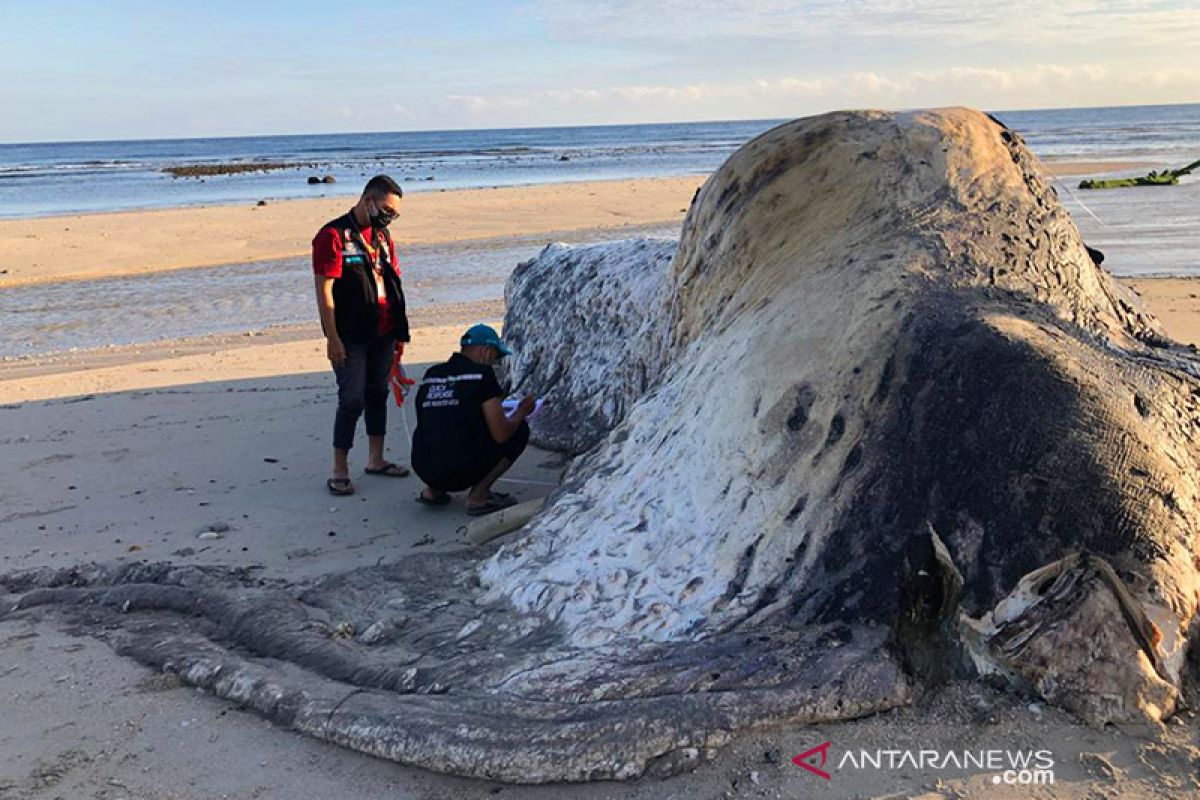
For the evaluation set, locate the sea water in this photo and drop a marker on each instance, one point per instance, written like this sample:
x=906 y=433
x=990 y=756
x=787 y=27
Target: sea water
x=68 y=177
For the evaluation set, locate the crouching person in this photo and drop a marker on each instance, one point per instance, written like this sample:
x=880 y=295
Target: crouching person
x=464 y=440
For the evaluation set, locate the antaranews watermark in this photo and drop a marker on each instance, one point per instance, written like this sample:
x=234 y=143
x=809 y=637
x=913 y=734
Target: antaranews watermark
x=1010 y=767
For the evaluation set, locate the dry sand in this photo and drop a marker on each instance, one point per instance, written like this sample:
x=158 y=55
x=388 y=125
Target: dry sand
x=1064 y=168
x=130 y=453
x=1176 y=303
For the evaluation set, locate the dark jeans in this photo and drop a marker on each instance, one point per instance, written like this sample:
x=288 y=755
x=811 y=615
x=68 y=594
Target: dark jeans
x=363 y=389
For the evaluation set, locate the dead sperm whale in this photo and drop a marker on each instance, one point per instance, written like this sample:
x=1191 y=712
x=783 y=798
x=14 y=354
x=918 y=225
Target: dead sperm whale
x=895 y=426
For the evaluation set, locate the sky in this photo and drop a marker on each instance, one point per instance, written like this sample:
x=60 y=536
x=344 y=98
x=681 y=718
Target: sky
x=121 y=69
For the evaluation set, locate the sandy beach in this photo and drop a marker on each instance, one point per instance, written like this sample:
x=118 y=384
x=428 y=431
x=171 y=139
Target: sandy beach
x=132 y=452
x=139 y=242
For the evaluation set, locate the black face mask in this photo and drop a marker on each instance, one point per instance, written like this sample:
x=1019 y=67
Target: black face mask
x=380 y=218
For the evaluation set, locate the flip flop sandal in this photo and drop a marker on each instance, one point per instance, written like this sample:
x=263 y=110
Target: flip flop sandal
x=502 y=497
x=439 y=500
x=339 y=486
x=490 y=506
x=389 y=470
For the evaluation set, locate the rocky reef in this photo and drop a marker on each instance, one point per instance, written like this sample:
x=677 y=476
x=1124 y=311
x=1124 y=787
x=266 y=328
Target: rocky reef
x=878 y=423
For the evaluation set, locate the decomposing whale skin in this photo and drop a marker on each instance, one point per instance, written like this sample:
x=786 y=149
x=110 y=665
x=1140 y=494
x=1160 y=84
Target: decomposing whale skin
x=882 y=323
x=588 y=327
x=900 y=429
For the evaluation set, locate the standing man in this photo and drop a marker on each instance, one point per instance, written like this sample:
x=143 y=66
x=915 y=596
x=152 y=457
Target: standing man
x=361 y=304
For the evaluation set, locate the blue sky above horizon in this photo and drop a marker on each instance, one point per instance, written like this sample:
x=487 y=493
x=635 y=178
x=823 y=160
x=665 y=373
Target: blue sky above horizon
x=136 y=69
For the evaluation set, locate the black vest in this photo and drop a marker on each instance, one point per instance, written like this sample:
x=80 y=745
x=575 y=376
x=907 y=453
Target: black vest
x=355 y=298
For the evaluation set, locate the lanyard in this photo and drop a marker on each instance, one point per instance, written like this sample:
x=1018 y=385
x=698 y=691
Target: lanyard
x=372 y=252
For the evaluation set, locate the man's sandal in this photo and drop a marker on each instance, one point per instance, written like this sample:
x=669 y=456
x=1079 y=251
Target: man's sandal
x=494 y=503
x=439 y=499
x=389 y=470
x=340 y=486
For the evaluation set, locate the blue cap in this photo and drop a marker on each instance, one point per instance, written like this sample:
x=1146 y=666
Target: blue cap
x=485 y=335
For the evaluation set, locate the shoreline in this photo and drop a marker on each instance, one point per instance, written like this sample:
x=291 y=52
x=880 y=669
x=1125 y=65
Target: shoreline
x=422 y=320
x=1174 y=301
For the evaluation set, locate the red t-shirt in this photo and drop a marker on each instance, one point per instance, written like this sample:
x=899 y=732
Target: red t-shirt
x=327 y=261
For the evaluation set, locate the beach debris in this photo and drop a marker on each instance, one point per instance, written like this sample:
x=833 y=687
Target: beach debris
x=302 y=552
x=507 y=520
x=260 y=203
x=214 y=530
x=897 y=429
x=1099 y=765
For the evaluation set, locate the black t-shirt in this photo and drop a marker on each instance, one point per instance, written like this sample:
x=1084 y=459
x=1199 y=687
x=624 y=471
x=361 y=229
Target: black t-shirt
x=451 y=429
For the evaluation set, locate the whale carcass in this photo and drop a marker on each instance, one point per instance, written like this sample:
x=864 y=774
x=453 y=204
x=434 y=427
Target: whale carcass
x=893 y=427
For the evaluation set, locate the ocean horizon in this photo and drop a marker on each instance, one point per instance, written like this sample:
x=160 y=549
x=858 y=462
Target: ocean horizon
x=50 y=178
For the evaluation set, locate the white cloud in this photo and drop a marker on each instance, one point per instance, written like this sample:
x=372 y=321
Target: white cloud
x=1012 y=23
x=1039 y=85
x=473 y=103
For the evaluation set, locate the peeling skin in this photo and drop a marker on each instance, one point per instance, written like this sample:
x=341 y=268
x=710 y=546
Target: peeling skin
x=607 y=305
x=877 y=388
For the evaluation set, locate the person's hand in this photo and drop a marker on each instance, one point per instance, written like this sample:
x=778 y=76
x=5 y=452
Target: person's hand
x=527 y=405
x=335 y=350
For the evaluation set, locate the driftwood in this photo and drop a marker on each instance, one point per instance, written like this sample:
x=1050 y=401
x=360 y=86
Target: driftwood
x=495 y=525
